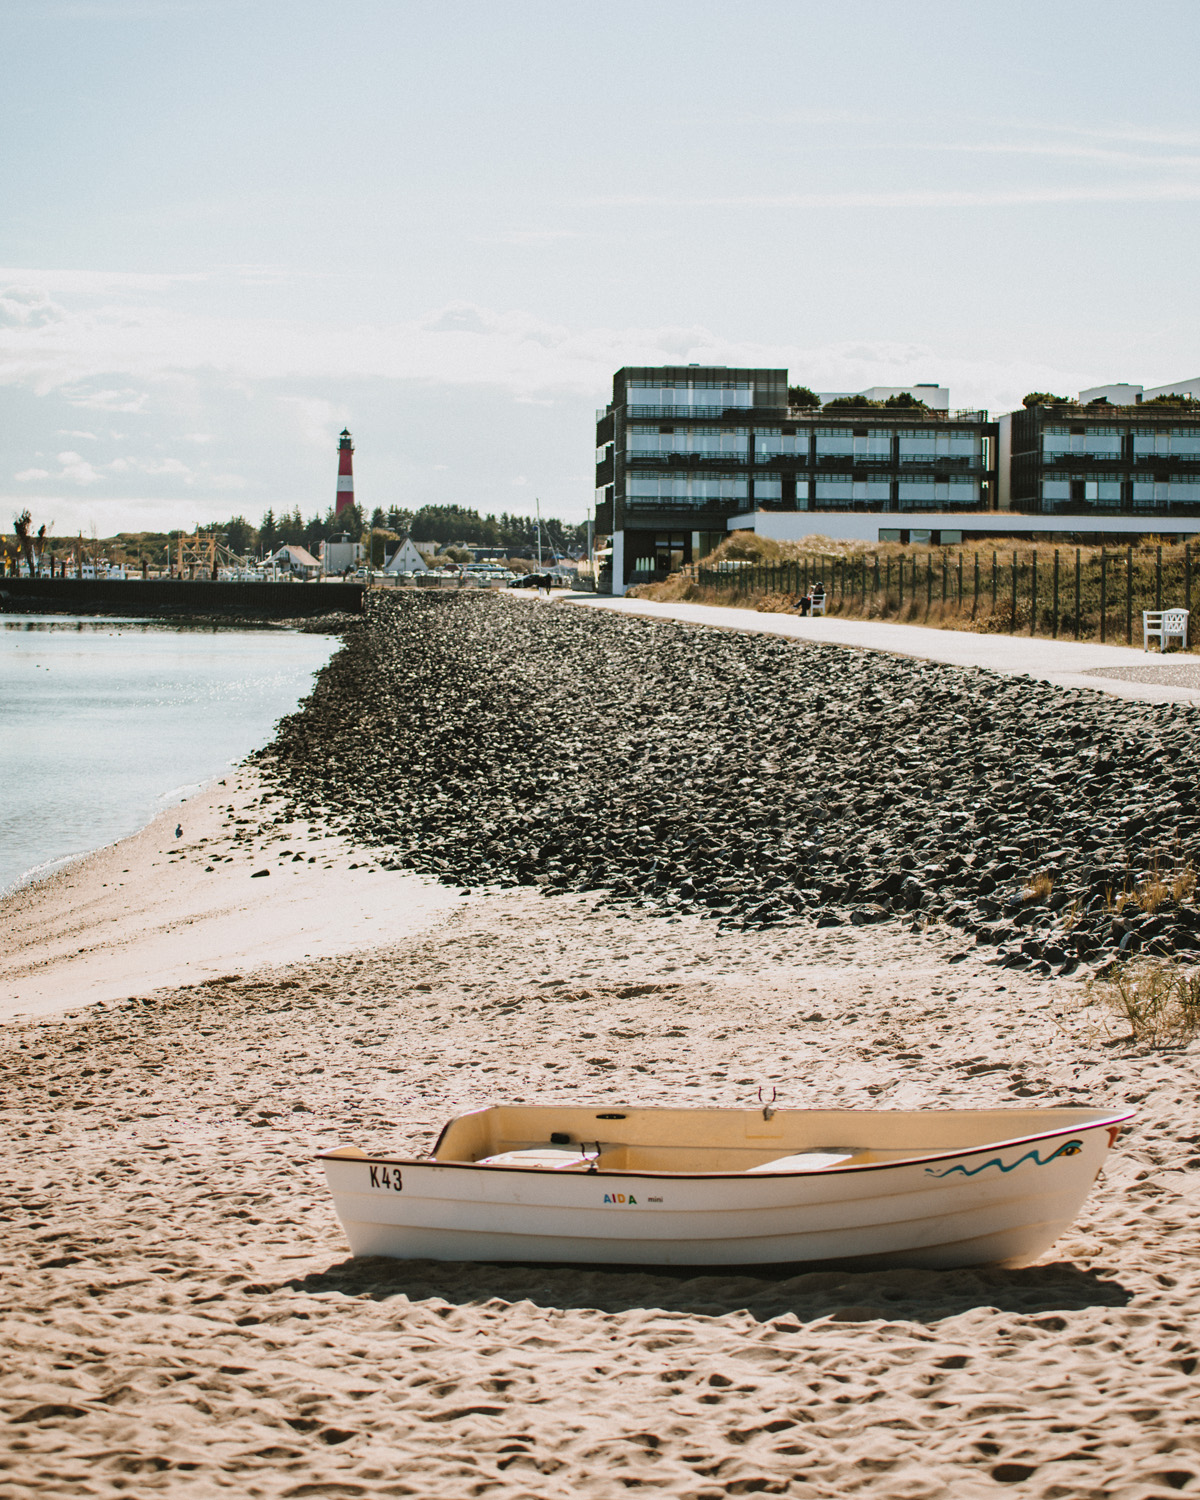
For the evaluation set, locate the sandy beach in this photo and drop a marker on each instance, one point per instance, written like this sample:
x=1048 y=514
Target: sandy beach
x=180 y=1312
x=238 y=887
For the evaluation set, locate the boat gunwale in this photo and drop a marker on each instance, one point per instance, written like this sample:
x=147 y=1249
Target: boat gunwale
x=1105 y=1121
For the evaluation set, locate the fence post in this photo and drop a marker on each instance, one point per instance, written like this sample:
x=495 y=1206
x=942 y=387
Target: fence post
x=1056 y=593
x=928 y=581
x=1129 y=596
x=1158 y=581
x=960 y=580
x=1033 y=596
x=995 y=578
x=900 y=604
x=1077 y=625
x=1187 y=578
x=945 y=566
x=975 y=606
x=1103 y=595
x=1012 y=624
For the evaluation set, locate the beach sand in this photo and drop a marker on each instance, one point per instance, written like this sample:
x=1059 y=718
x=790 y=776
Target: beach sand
x=181 y=1315
x=241 y=886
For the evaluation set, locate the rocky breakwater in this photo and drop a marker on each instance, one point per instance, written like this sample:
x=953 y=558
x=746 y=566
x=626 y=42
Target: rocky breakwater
x=490 y=741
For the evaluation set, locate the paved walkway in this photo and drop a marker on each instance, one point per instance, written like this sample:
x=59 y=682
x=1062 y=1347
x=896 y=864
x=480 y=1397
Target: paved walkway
x=1121 y=670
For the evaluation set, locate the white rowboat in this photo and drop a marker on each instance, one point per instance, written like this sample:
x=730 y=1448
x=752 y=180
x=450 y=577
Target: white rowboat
x=729 y=1187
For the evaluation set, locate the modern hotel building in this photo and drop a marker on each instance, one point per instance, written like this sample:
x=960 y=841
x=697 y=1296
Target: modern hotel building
x=685 y=454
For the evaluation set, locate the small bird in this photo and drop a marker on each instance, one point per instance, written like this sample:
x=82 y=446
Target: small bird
x=179 y=830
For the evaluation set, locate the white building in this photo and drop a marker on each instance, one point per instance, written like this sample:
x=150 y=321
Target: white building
x=340 y=555
x=406 y=559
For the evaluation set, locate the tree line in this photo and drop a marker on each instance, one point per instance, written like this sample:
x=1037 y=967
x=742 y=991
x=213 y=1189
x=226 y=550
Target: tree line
x=441 y=526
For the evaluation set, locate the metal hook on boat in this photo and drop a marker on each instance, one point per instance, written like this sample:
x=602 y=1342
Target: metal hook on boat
x=767 y=1110
x=591 y=1160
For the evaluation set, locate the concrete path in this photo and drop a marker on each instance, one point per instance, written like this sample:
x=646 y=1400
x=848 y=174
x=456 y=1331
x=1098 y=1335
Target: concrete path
x=1121 y=670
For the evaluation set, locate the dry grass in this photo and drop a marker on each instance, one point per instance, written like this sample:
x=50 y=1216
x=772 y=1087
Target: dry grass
x=1039 y=887
x=1156 y=998
x=919 y=600
x=1156 y=889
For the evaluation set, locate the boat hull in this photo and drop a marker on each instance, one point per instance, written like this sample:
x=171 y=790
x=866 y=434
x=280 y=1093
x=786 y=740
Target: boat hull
x=1002 y=1204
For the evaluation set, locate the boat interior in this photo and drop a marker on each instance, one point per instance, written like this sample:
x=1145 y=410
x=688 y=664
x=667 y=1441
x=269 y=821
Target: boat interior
x=615 y=1139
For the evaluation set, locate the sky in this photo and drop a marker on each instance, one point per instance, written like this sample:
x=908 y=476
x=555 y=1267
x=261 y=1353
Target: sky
x=228 y=228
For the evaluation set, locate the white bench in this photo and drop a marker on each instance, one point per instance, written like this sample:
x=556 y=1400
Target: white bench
x=1166 y=624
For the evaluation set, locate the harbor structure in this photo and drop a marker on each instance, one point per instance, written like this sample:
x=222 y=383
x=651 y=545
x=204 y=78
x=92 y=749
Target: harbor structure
x=345 y=483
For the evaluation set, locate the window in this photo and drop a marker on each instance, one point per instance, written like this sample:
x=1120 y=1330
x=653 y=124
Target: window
x=923 y=446
x=1060 y=443
x=696 y=489
x=1158 y=494
x=1098 y=492
x=723 y=442
x=775 y=442
x=1178 y=442
x=845 y=492
x=945 y=492
x=862 y=444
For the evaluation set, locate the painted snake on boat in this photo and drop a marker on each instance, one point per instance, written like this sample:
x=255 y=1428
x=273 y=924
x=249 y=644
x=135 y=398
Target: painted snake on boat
x=1068 y=1148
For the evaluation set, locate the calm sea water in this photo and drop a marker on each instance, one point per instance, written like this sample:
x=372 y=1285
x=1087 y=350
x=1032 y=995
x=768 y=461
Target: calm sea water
x=104 y=723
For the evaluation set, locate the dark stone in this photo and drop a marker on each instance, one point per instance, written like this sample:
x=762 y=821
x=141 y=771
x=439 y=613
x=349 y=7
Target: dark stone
x=449 y=735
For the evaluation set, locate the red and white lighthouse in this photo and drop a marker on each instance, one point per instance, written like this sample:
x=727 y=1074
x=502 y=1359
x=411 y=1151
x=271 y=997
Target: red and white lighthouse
x=345 y=488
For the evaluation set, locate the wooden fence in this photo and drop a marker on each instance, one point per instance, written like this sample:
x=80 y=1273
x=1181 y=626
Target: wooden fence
x=1092 y=593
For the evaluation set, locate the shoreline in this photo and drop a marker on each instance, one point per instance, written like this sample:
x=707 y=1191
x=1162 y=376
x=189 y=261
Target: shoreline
x=116 y=720
x=111 y=923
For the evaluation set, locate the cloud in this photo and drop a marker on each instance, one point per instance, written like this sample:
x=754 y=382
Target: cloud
x=28 y=307
x=459 y=317
x=1057 y=150
x=107 y=400
x=154 y=357
x=27 y=474
x=1021 y=197
x=319 y=421
x=77 y=469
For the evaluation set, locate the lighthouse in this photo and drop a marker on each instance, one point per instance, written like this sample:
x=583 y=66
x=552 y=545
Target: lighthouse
x=345 y=485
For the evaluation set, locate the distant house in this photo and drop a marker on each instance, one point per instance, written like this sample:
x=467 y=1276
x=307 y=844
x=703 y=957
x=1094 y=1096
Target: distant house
x=406 y=559
x=297 y=560
x=339 y=554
